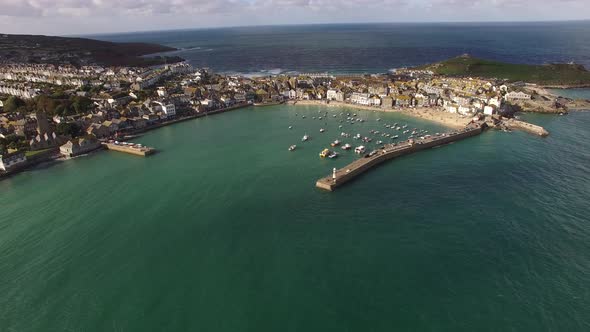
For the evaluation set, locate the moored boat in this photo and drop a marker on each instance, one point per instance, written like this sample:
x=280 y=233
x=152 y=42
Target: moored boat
x=324 y=153
x=292 y=147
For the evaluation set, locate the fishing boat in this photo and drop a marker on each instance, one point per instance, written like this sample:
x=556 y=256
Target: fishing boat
x=305 y=138
x=292 y=147
x=359 y=149
x=324 y=153
x=333 y=155
x=335 y=143
x=346 y=146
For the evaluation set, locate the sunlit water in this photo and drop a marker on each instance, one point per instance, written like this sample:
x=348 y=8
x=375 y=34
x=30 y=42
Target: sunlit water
x=223 y=230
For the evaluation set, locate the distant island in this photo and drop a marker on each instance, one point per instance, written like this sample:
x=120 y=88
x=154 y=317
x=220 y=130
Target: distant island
x=33 y=49
x=548 y=75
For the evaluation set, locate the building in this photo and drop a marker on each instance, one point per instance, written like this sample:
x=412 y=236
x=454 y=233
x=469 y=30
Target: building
x=516 y=96
x=11 y=161
x=360 y=98
x=79 y=146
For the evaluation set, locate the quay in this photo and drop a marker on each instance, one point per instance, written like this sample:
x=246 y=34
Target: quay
x=525 y=126
x=390 y=151
x=134 y=149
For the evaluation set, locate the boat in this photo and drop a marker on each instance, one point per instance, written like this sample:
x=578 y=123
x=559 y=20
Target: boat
x=359 y=149
x=324 y=153
x=322 y=130
x=303 y=116
x=290 y=127
x=379 y=142
x=333 y=155
x=292 y=147
x=305 y=138
x=396 y=136
x=335 y=143
x=346 y=146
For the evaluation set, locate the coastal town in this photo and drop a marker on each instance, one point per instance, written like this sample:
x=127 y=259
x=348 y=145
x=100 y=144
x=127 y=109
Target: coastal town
x=52 y=111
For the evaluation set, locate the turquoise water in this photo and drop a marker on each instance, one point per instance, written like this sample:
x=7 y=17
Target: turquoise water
x=572 y=93
x=223 y=230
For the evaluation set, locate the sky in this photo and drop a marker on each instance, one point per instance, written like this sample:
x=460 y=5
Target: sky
x=75 y=17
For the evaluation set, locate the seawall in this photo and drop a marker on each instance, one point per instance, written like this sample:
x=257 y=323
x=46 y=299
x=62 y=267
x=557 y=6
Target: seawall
x=390 y=151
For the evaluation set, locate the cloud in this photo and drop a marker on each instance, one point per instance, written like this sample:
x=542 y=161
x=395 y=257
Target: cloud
x=109 y=8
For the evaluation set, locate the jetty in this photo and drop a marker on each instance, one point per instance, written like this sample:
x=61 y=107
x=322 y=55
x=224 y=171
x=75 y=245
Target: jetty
x=525 y=126
x=389 y=151
x=134 y=149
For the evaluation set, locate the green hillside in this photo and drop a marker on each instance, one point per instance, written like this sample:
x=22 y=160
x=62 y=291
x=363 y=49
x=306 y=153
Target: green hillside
x=550 y=74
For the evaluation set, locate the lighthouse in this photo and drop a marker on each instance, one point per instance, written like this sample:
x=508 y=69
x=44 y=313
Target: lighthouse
x=334 y=174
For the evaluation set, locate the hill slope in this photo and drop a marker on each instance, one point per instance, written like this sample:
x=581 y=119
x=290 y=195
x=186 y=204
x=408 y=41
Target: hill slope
x=551 y=74
x=78 y=51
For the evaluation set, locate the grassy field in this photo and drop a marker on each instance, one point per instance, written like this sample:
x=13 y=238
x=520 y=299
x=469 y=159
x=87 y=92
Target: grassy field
x=550 y=74
x=33 y=153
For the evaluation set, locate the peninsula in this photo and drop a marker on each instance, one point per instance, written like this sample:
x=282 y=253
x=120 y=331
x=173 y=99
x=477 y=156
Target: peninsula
x=33 y=49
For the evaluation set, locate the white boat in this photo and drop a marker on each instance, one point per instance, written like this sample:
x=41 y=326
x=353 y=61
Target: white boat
x=396 y=136
x=333 y=155
x=346 y=146
x=292 y=147
x=359 y=149
x=322 y=130
x=305 y=138
x=290 y=127
x=335 y=143
x=379 y=142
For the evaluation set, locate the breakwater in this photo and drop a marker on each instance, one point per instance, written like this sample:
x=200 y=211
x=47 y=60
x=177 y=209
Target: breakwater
x=525 y=126
x=390 y=151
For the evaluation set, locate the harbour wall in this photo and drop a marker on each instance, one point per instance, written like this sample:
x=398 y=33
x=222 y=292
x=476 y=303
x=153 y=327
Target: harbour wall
x=525 y=126
x=390 y=151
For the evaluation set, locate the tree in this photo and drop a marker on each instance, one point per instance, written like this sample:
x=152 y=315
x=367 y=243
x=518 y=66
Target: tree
x=68 y=128
x=81 y=105
x=13 y=103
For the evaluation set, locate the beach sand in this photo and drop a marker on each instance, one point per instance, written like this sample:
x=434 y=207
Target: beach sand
x=434 y=114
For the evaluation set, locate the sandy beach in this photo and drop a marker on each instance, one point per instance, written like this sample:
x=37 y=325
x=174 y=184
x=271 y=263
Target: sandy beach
x=433 y=114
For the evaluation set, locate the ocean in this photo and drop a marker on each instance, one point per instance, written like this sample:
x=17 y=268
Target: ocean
x=369 y=48
x=223 y=230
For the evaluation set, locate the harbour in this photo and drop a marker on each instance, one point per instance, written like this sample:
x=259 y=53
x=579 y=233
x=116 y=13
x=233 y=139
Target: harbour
x=391 y=151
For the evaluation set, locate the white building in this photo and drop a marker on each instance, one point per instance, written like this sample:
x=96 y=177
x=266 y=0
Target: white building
x=375 y=101
x=511 y=96
x=360 y=98
x=12 y=160
x=488 y=110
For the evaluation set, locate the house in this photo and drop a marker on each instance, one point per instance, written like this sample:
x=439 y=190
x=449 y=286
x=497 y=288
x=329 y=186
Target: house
x=333 y=94
x=11 y=161
x=387 y=102
x=402 y=100
x=98 y=130
x=360 y=98
x=79 y=146
x=375 y=101
x=516 y=96
x=43 y=141
x=489 y=110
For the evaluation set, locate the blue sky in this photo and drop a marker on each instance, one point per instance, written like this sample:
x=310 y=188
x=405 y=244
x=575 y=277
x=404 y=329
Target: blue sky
x=67 y=17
